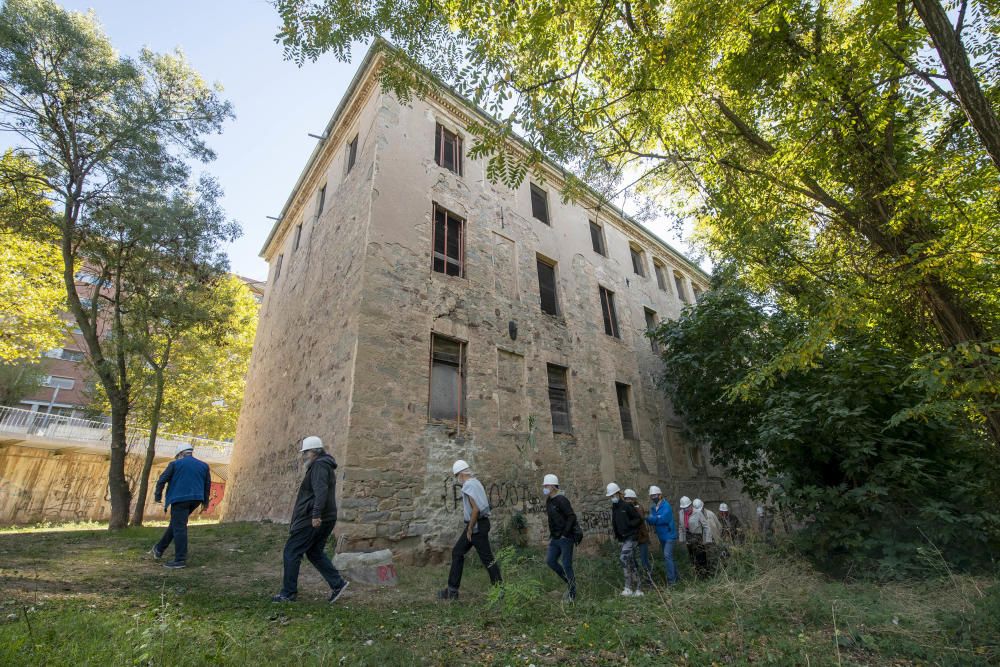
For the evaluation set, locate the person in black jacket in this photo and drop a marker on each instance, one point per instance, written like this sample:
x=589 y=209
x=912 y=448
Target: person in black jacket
x=313 y=519
x=563 y=530
x=625 y=522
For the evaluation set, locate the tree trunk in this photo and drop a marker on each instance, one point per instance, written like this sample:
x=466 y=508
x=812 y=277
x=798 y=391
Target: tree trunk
x=147 y=464
x=121 y=496
x=963 y=80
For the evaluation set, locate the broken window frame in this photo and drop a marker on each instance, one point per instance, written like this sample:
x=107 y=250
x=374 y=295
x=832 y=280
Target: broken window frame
x=609 y=312
x=622 y=394
x=559 y=398
x=447 y=261
x=459 y=415
x=442 y=138
x=541 y=196
x=550 y=266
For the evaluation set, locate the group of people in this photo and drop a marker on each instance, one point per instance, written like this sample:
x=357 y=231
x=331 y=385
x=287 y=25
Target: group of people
x=314 y=516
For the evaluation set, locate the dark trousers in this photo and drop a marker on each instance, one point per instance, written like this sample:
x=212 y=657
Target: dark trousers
x=177 y=531
x=309 y=542
x=481 y=541
x=699 y=558
x=562 y=549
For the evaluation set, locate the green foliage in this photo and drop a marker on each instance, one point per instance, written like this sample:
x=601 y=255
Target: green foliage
x=19 y=379
x=831 y=150
x=875 y=491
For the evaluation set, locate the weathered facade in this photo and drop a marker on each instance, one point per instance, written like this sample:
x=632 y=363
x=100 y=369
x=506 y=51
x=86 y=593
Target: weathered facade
x=417 y=313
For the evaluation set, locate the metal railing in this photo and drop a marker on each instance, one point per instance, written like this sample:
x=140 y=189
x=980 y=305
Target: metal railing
x=45 y=425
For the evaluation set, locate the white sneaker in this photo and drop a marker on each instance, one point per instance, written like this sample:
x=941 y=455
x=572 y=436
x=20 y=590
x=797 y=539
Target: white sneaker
x=627 y=593
x=637 y=593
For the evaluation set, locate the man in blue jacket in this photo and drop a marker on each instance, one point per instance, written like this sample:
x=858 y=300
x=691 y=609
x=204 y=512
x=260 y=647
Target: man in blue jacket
x=189 y=484
x=661 y=518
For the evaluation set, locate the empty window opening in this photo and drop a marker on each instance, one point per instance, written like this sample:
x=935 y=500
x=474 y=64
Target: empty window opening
x=608 y=309
x=661 y=276
x=651 y=328
x=298 y=236
x=625 y=409
x=597 y=239
x=638 y=260
x=547 y=287
x=320 y=201
x=277 y=267
x=679 y=283
x=352 y=153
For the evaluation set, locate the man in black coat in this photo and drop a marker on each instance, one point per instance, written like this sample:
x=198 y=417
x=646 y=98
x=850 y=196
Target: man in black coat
x=564 y=532
x=313 y=519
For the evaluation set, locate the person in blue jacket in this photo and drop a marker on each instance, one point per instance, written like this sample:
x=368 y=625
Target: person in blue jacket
x=661 y=518
x=189 y=484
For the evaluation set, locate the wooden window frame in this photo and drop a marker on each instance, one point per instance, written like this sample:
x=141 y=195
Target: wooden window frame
x=447 y=261
x=568 y=426
x=609 y=312
x=462 y=368
x=544 y=194
x=442 y=135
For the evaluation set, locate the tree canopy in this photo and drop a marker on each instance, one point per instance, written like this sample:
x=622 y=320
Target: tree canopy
x=112 y=136
x=843 y=155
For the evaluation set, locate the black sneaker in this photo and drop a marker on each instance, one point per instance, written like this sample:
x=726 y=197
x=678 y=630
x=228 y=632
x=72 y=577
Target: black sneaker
x=336 y=592
x=448 y=594
x=175 y=565
x=157 y=555
x=281 y=597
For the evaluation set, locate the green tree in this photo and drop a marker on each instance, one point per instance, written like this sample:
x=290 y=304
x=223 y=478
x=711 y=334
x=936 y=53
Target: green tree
x=30 y=296
x=873 y=493
x=19 y=379
x=844 y=153
x=108 y=131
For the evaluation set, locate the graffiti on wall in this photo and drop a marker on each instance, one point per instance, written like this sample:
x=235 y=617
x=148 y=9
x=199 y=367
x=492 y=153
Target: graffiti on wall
x=596 y=522
x=503 y=495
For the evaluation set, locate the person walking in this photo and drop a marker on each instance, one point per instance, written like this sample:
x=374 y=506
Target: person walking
x=732 y=527
x=314 y=517
x=642 y=537
x=625 y=523
x=476 y=512
x=661 y=518
x=189 y=484
x=564 y=531
x=699 y=538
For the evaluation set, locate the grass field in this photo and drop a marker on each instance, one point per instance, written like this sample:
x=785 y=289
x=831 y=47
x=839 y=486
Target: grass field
x=89 y=597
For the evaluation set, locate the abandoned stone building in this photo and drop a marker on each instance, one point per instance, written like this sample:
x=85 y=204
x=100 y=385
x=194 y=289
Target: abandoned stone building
x=416 y=313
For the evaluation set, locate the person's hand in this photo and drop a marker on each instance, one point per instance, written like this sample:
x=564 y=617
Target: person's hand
x=316 y=523
x=468 y=534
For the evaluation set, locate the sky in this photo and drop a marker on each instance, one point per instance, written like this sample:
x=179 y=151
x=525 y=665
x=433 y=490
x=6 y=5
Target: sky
x=261 y=153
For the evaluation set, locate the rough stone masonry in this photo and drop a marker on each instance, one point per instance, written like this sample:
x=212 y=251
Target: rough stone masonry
x=403 y=359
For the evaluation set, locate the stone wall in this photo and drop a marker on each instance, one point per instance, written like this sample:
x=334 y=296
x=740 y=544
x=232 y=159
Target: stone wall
x=302 y=366
x=42 y=485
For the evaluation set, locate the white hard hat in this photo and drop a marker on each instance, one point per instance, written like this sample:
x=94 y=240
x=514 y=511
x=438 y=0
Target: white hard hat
x=183 y=447
x=550 y=480
x=760 y=510
x=459 y=466
x=629 y=493
x=685 y=502
x=655 y=491
x=613 y=489
x=311 y=442
x=698 y=504
x=723 y=507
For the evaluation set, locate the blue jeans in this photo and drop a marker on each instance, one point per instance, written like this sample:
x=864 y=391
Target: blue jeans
x=177 y=531
x=647 y=568
x=309 y=542
x=668 y=558
x=562 y=548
